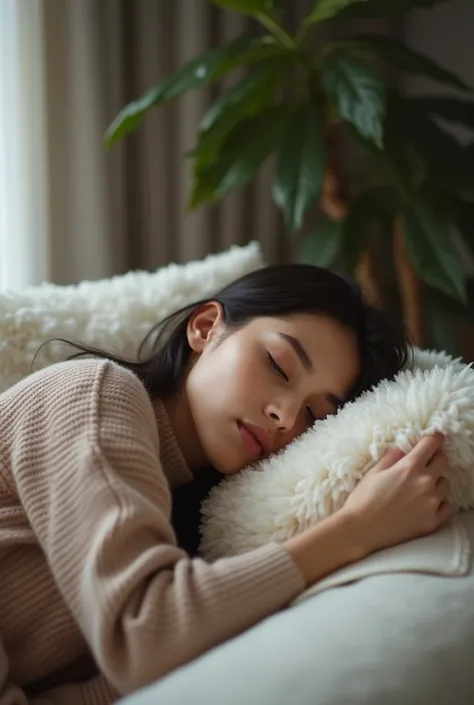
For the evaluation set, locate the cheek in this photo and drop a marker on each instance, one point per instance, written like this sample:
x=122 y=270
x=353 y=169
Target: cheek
x=225 y=373
x=238 y=363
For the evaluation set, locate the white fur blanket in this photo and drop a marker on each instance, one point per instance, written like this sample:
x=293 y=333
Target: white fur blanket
x=114 y=314
x=313 y=476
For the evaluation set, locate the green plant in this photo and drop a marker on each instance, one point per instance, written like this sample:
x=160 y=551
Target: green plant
x=405 y=169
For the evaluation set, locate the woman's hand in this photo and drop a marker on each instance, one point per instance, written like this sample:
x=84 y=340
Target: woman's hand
x=403 y=497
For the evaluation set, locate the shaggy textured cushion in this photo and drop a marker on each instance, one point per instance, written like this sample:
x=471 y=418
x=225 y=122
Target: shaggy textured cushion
x=311 y=478
x=114 y=314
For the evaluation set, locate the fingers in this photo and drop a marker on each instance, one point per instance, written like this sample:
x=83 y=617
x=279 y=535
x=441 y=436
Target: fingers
x=425 y=449
x=389 y=458
x=445 y=512
x=438 y=465
x=421 y=455
x=442 y=489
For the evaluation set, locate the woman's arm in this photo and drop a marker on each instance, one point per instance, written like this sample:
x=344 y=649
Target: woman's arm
x=90 y=481
x=330 y=545
x=96 y=690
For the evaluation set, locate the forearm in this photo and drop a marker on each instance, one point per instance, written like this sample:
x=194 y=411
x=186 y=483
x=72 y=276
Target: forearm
x=331 y=544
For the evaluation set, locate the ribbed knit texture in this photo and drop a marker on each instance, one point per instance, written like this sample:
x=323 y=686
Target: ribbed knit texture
x=90 y=572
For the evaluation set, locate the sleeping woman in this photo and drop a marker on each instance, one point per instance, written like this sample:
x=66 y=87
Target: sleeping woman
x=97 y=596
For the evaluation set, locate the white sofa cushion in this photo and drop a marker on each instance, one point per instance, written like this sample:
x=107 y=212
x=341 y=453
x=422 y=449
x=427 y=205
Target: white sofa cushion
x=399 y=632
x=114 y=314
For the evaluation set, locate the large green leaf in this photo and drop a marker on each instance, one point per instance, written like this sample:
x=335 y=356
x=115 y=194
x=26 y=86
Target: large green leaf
x=249 y=96
x=192 y=75
x=321 y=246
x=250 y=7
x=402 y=57
x=244 y=149
x=325 y=9
x=387 y=8
x=301 y=165
x=358 y=94
x=451 y=109
x=431 y=250
x=264 y=47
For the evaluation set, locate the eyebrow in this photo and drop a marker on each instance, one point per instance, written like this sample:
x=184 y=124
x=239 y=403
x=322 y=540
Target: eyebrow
x=305 y=360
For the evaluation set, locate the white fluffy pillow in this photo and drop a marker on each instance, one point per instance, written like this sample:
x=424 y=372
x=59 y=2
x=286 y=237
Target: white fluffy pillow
x=313 y=476
x=114 y=314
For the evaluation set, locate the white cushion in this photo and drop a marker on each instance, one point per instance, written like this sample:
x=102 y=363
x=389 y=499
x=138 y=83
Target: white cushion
x=401 y=632
x=114 y=314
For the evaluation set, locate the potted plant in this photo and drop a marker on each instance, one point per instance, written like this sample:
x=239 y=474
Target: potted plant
x=300 y=100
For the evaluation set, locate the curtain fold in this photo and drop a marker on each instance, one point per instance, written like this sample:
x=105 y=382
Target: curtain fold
x=126 y=208
x=108 y=211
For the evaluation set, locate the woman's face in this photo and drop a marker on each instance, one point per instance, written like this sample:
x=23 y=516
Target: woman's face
x=249 y=393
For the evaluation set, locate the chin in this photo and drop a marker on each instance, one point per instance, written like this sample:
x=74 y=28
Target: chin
x=226 y=468
x=223 y=463
x=231 y=471
x=226 y=455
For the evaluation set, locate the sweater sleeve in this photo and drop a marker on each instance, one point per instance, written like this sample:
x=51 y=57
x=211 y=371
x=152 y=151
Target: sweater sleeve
x=96 y=691
x=100 y=505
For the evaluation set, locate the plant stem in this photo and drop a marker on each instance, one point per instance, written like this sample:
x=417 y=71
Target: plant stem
x=278 y=32
x=334 y=203
x=411 y=289
x=366 y=275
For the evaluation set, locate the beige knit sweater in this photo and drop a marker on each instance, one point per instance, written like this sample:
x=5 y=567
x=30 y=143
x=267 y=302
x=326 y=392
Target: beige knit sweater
x=96 y=599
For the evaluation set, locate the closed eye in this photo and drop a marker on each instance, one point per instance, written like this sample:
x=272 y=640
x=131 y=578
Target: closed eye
x=277 y=369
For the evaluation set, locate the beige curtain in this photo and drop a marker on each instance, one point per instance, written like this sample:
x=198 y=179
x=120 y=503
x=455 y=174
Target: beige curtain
x=91 y=213
x=110 y=211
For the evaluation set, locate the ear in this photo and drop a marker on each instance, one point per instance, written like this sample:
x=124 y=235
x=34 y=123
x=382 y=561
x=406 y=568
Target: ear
x=204 y=324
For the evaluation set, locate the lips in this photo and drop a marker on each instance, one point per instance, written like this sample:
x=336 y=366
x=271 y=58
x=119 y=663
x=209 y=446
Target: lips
x=250 y=442
x=262 y=441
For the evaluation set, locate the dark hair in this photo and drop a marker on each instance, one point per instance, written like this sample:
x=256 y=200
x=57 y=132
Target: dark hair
x=279 y=291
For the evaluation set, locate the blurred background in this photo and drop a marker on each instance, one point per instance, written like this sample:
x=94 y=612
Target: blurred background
x=71 y=209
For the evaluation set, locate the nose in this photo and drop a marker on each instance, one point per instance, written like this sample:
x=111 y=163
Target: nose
x=283 y=413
